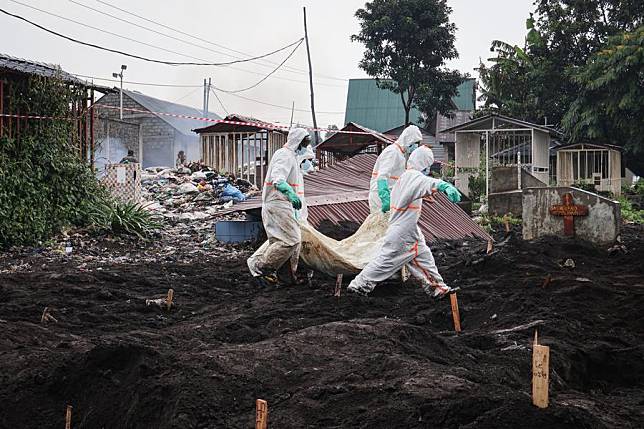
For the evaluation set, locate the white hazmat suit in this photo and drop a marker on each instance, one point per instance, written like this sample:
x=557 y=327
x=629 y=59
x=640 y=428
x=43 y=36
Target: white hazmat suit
x=390 y=165
x=278 y=214
x=305 y=166
x=404 y=243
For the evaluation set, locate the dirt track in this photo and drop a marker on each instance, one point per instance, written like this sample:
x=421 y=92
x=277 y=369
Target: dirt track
x=390 y=360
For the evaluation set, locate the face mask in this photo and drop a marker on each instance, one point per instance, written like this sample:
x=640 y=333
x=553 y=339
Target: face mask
x=306 y=167
x=300 y=151
x=426 y=171
x=413 y=147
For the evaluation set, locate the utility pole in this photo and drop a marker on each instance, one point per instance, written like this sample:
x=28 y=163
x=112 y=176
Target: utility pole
x=120 y=75
x=208 y=98
x=205 y=107
x=292 y=111
x=308 y=54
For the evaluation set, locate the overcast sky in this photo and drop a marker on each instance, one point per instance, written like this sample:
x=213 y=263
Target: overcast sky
x=249 y=26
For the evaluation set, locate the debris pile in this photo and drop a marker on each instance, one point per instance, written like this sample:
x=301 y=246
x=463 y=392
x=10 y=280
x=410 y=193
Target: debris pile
x=192 y=193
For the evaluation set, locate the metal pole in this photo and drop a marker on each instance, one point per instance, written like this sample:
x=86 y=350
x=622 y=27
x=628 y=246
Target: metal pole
x=204 y=110
x=308 y=55
x=121 y=97
x=292 y=111
x=487 y=167
x=207 y=99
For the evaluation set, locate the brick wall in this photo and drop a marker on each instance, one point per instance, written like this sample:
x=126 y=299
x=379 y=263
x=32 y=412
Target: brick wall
x=157 y=136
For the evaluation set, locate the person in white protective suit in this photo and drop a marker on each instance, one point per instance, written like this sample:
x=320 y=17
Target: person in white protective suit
x=390 y=165
x=306 y=166
x=404 y=243
x=280 y=200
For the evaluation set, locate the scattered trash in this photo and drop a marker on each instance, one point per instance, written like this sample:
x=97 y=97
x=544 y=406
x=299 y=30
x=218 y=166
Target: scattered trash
x=583 y=279
x=160 y=302
x=618 y=248
x=569 y=263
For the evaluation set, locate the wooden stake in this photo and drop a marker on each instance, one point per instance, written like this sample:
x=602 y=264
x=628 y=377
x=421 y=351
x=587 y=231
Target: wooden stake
x=546 y=281
x=68 y=417
x=506 y=222
x=168 y=300
x=490 y=247
x=455 y=314
x=540 y=373
x=338 y=285
x=261 y=414
x=47 y=317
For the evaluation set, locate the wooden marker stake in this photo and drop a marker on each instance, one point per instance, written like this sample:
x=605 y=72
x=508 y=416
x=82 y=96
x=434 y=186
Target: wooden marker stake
x=261 y=414
x=506 y=222
x=168 y=299
x=338 y=285
x=68 y=417
x=490 y=247
x=455 y=314
x=540 y=373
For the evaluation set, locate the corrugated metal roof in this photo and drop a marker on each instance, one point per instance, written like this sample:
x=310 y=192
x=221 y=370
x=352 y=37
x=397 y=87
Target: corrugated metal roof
x=340 y=193
x=486 y=122
x=381 y=109
x=34 y=67
x=20 y=65
x=465 y=99
x=353 y=143
x=223 y=127
x=184 y=126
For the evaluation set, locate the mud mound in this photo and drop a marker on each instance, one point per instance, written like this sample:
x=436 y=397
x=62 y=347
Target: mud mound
x=386 y=361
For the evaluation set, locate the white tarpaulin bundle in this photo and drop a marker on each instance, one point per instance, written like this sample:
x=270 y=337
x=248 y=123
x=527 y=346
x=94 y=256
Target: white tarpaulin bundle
x=348 y=256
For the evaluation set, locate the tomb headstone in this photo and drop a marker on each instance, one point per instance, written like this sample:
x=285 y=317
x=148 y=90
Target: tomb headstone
x=567 y=211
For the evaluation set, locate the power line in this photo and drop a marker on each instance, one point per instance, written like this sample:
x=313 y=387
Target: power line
x=205 y=40
x=265 y=77
x=189 y=93
x=174 y=85
x=176 y=38
x=132 y=40
x=171 y=85
x=283 y=107
x=172 y=63
x=219 y=99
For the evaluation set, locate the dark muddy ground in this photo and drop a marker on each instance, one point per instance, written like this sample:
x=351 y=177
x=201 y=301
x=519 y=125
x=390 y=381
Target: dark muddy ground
x=387 y=361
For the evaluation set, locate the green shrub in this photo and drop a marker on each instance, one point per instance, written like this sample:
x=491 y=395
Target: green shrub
x=44 y=186
x=476 y=186
x=120 y=217
x=629 y=213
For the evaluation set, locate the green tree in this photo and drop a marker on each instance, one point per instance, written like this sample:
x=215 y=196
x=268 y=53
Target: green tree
x=537 y=81
x=610 y=104
x=407 y=43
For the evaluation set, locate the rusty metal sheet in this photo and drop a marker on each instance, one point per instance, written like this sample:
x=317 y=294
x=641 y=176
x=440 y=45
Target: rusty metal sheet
x=341 y=192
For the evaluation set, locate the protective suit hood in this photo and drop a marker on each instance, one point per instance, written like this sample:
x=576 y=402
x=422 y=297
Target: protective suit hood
x=409 y=136
x=295 y=137
x=421 y=158
x=308 y=154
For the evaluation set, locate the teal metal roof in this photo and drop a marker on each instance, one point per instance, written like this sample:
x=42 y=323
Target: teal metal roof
x=381 y=109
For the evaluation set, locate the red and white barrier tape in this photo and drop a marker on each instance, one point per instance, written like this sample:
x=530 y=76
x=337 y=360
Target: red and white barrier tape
x=224 y=121
x=266 y=125
x=63 y=118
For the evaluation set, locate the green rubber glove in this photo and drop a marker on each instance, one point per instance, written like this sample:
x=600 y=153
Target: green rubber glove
x=287 y=190
x=383 y=193
x=449 y=190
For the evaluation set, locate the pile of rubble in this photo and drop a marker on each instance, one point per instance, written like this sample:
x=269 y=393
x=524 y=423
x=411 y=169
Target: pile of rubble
x=191 y=193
